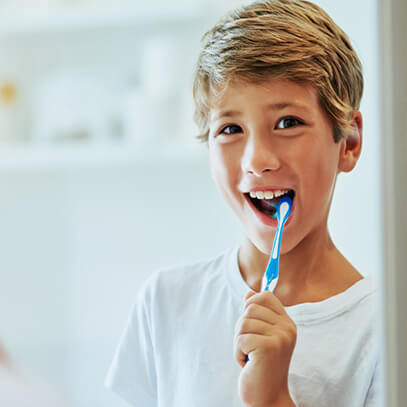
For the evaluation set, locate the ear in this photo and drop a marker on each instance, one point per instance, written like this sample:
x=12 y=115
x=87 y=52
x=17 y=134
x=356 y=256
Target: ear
x=351 y=144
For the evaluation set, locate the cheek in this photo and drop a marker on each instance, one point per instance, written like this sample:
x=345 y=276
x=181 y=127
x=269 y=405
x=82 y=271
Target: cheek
x=224 y=171
x=220 y=168
x=316 y=164
x=320 y=175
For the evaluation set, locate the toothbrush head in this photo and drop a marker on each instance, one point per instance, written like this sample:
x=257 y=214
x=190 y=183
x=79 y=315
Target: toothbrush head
x=284 y=209
x=283 y=212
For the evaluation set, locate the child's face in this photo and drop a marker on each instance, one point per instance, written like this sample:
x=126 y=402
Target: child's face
x=269 y=137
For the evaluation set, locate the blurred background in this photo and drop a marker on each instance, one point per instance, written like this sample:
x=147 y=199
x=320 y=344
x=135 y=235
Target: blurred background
x=102 y=180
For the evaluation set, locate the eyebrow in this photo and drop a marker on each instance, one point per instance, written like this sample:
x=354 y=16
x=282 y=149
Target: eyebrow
x=271 y=106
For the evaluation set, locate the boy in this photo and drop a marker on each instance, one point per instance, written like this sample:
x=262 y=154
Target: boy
x=277 y=92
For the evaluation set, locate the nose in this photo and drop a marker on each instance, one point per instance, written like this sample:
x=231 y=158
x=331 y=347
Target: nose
x=259 y=155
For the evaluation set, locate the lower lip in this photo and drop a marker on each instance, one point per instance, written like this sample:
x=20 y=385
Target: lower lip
x=266 y=220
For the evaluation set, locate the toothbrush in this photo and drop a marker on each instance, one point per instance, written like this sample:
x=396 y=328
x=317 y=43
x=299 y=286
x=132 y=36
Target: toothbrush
x=271 y=275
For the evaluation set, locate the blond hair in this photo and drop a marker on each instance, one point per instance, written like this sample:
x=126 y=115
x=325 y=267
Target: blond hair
x=284 y=39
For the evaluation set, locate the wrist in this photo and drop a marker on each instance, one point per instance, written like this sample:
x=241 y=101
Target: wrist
x=283 y=403
x=284 y=400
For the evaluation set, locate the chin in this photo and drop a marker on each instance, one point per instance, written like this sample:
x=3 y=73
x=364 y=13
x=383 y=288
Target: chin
x=265 y=245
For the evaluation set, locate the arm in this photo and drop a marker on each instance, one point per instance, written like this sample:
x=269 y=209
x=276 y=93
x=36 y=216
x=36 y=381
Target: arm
x=267 y=335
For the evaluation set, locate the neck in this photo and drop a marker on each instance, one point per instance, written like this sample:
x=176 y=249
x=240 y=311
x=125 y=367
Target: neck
x=312 y=271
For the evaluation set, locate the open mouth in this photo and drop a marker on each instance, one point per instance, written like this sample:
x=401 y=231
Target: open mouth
x=267 y=202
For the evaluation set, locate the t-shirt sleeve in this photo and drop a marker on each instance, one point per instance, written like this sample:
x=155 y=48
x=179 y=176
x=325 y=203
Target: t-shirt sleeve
x=132 y=374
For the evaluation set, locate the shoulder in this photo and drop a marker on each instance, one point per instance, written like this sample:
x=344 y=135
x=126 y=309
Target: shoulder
x=365 y=295
x=359 y=303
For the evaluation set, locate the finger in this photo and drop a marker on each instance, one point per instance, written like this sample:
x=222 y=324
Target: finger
x=244 y=345
x=254 y=326
x=268 y=300
x=262 y=313
x=252 y=344
x=266 y=322
x=249 y=294
x=255 y=346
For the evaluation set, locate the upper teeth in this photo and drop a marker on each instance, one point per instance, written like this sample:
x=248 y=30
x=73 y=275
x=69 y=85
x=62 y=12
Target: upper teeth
x=268 y=194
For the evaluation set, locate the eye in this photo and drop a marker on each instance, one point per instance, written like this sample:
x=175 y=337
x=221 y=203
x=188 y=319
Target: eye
x=231 y=129
x=288 y=122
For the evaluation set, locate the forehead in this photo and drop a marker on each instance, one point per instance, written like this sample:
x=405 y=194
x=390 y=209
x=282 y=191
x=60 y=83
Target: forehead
x=270 y=94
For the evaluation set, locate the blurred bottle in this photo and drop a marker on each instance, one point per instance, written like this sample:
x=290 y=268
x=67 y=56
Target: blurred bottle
x=135 y=115
x=150 y=100
x=8 y=112
x=159 y=80
x=69 y=108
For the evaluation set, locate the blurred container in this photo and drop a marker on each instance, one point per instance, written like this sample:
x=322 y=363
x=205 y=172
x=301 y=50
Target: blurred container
x=135 y=115
x=151 y=101
x=69 y=107
x=159 y=78
x=8 y=111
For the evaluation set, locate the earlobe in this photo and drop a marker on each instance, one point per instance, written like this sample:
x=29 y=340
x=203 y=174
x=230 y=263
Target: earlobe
x=351 y=144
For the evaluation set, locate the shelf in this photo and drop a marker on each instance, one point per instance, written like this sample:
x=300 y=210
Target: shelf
x=76 y=18
x=32 y=158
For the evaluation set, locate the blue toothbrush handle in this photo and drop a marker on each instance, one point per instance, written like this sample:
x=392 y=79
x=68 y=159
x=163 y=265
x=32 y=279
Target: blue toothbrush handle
x=271 y=273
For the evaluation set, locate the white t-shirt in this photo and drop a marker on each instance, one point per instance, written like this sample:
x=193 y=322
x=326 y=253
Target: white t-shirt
x=177 y=348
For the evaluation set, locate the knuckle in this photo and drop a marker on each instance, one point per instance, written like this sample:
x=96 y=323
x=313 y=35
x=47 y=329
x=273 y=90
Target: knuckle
x=243 y=325
x=292 y=329
x=246 y=326
x=266 y=297
x=286 y=337
x=237 y=341
x=237 y=325
x=240 y=342
x=251 y=309
x=270 y=297
x=289 y=338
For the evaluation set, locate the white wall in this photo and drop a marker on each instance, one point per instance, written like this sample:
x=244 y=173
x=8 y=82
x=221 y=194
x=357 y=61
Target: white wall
x=356 y=210
x=76 y=247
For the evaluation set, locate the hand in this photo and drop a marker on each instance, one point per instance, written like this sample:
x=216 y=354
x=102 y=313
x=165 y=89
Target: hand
x=3 y=357
x=267 y=335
